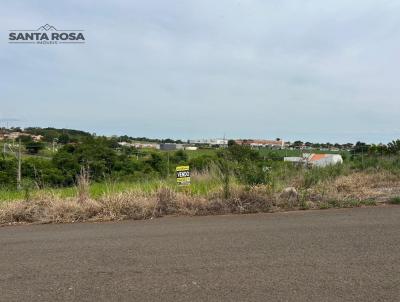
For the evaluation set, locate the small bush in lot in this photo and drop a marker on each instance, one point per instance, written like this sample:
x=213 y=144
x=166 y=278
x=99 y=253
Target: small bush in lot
x=202 y=163
x=395 y=200
x=83 y=183
x=304 y=205
x=350 y=203
x=369 y=202
x=253 y=199
x=316 y=175
x=252 y=174
x=225 y=169
x=334 y=203
x=324 y=205
x=166 y=198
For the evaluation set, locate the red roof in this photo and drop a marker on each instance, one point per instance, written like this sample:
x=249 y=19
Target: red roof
x=317 y=157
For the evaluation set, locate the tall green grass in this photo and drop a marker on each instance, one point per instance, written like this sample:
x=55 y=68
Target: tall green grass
x=316 y=175
x=282 y=174
x=96 y=190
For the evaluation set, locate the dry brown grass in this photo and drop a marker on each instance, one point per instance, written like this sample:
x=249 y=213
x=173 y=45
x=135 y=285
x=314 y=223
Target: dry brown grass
x=204 y=175
x=130 y=205
x=83 y=184
x=344 y=191
x=357 y=186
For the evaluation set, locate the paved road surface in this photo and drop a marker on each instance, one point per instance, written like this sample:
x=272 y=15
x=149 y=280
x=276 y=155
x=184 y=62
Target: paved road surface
x=332 y=255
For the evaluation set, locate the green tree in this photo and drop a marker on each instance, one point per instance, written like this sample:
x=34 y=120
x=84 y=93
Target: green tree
x=297 y=144
x=34 y=147
x=64 y=139
x=179 y=157
x=242 y=153
x=159 y=163
x=394 y=147
x=231 y=143
x=92 y=152
x=361 y=147
x=8 y=168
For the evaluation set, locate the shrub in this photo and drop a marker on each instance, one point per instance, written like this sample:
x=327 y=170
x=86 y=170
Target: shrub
x=252 y=174
x=8 y=170
x=395 y=200
x=316 y=175
x=202 y=163
x=34 y=147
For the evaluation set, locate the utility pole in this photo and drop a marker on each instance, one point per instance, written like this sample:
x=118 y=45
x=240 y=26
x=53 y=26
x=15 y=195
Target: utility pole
x=55 y=140
x=362 y=156
x=19 y=166
x=168 y=163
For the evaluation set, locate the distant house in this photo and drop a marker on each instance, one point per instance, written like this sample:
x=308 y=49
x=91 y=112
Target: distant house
x=16 y=135
x=323 y=160
x=316 y=160
x=140 y=145
x=170 y=146
x=37 y=138
x=209 y=142
x=273 y=144
x=191 y=148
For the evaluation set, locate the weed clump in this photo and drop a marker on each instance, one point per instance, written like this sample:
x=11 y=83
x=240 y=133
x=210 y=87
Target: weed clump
x=395 y=200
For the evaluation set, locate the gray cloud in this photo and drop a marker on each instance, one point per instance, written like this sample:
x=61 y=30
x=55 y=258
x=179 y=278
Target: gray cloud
x=311 y=70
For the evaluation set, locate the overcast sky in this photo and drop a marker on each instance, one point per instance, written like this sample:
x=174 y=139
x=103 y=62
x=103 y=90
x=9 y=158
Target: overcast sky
x=308 y=69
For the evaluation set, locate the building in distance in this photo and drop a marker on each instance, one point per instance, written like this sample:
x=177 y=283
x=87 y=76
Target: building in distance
x=262 y=143
x=213 y=142
x=316 y=160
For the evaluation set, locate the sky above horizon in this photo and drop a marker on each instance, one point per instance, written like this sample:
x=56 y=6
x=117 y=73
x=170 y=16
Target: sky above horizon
x=306 y=70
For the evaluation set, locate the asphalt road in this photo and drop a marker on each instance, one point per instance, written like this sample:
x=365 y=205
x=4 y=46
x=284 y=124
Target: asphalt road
x=332 y=255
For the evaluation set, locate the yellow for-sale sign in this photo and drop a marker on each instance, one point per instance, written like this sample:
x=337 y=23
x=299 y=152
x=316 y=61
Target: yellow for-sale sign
x=183 y=175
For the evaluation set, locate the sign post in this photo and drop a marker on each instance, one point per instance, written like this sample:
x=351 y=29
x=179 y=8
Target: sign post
x=183 y=175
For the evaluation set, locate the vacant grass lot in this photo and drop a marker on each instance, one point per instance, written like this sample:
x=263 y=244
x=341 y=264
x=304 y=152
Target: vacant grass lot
x=245 y=182
x=201 y=186
x=299 y=189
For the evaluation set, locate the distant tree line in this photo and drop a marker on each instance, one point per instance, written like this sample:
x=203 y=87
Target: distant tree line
x=392 y=148
x=63 y=136
x=99 y=155
x=106 y=159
